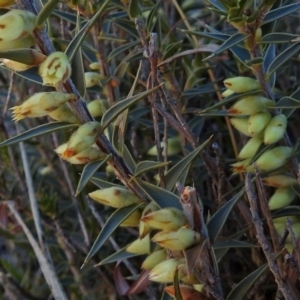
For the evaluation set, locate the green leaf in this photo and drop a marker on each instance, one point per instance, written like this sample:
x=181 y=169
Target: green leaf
x=69 y=17
x=46 y=12
x=215 y=36
x=162 y=197
x=37 y=131
x=128 y=158
x=280 y=12
x=229 y=43
x=12 y=270
x=277 y=38
x=218 y=6
x=30 y=74
x=241 y=54
x=222 y=243
x=88 y=171
x=287 y=102
x=103 y=184
x=116 y=52
x=217 y=221
x=147 y=165
x=78 y=39
x=120 y=106
x=109 y=227
x=243 y=287
x=77 y=75
x=119 y=255
x=292 y=210
x=176 y=171
x=283 y=57
x=24 y=56
x=268 y=59
x=153 y=13
x=127 y=25
x=219 y=253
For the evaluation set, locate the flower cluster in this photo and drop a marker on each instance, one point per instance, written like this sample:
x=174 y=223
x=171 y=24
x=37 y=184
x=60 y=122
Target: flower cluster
x=251 y=116
x=174 y=234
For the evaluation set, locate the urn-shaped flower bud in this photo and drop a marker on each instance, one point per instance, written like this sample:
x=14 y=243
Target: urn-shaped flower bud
x=275 y=130
x=272 y=159
x=241 y=125
x=165 y=219
x=250 y=148
x=241 y=84
x=164 y=272
x=258 y=122
x=116 y=197
x=56 y=69
x=16 y=24
x=40 y=104
x=83 y=138
x=145 y=228
x=95 y=66
x=86 y=156
x=64 y=114
x=282 y=197
x=25 y=42
x=97 y=107
x=280 y=181
x=174 y=147
x=227 y=93
x=133 y=220
x=178 y=240
x=154 y=259
x=250 y=105
x=92 y=79
x=240 y=166
x=140 y=246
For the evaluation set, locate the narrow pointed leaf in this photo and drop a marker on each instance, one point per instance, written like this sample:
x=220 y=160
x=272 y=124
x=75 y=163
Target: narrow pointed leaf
x=24 y=56
x=176 y=171
x=153 y=13
x=283 y=57
x=277 y=38
x=162 y=197
x=103 y=184
x=292 y=210
x=67 y=16
x=30 y=74
x=119 y=107
x=217 y=4
x=241 y=54
x=280 y=12
x=147 y=165
x=215 y=36
x=120 y=50
x=229 y=243
x=287 y=102
x=77 y=75
x=128 y=158
x=88 y=171
x=220 y=252
x=78 y=39
x=243 y=287
x=46 y=12
x=268 y=59
x=119 y=255
x=232 y=41
x=109 y=227
x=217 y=221
x=37 y=131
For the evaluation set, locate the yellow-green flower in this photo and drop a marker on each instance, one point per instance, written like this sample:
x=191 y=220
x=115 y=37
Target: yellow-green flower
x=56 y=69
x=16 y=24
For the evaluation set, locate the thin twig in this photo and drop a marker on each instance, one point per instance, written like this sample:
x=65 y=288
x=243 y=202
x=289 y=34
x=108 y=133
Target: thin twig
x=262 y=239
